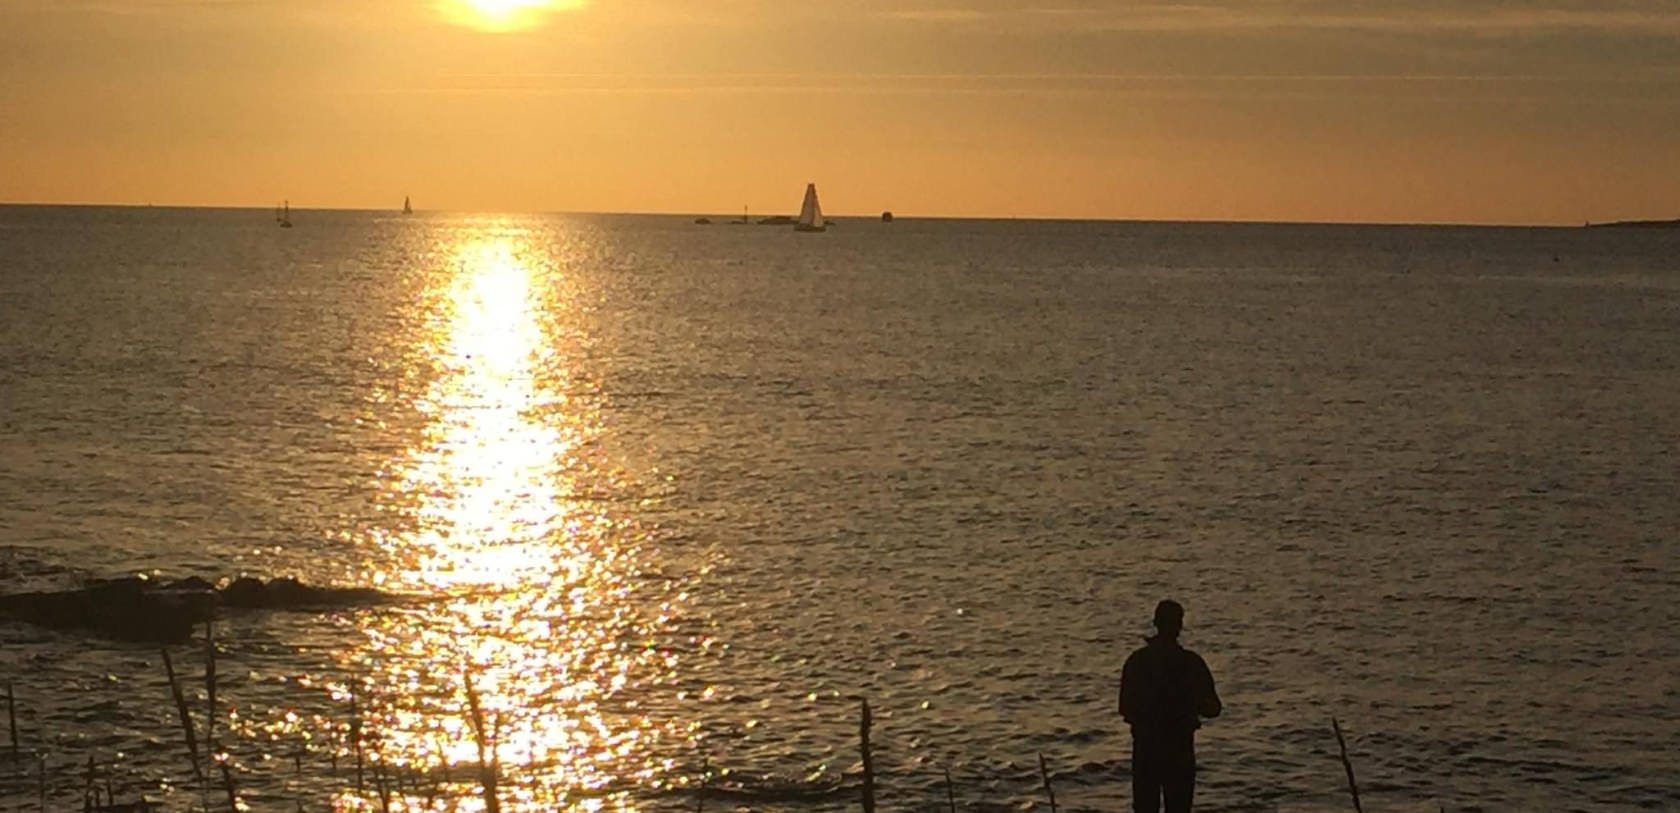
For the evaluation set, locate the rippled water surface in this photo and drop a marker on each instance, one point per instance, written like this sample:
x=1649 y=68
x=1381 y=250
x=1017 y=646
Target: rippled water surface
x=664 y=502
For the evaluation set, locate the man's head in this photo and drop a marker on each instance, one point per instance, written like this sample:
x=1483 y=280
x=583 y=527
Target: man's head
x=1169 y=618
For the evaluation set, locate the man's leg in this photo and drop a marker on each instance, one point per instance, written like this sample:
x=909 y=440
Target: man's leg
x=1146 y=779
x=1178 y=776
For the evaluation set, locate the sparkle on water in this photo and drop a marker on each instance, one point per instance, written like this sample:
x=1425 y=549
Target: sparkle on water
x=537 y=611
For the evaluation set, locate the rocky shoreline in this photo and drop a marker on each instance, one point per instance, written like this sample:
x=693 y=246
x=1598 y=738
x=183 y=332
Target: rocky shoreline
x=1637 y=224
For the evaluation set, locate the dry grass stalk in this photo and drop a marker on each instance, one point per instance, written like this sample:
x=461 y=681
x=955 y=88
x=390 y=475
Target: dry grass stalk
x=356 y=737
x=868 y=762
x=705 y=782
x=487 y=767
x=379 y=785
x=210 y=686
x=1044 y=773
x=431 y=791
x=90 y=791
x=297 y=773
x=185 y=715
x=1347 y=765
x=11 y=717
x=227 y=783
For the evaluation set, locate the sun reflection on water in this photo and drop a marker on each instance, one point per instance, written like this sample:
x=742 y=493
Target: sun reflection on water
x=538 y=605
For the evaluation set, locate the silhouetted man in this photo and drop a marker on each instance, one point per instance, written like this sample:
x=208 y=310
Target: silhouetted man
x=1165 y=690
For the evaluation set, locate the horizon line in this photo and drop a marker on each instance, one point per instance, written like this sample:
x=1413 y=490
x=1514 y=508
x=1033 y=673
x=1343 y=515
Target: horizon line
x=843 y=216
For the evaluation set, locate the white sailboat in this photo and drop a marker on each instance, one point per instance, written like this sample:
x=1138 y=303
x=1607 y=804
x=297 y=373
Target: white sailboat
x=810 y=213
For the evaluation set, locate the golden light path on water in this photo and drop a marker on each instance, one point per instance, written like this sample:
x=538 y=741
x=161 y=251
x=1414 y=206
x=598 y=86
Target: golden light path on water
x=540 y=613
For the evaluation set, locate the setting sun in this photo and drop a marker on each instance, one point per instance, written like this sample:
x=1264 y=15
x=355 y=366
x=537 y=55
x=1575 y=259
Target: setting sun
x=504 y=15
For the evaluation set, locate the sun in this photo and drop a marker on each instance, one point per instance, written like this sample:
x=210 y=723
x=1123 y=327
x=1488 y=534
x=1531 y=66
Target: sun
x=503 y=15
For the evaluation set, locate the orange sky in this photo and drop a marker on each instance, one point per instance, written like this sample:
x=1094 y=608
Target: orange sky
x=1509 y=111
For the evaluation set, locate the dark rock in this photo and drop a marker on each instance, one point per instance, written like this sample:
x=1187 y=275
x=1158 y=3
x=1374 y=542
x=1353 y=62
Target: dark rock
x=244 y=592
x=287 y=591
x=137 y=609
x=126 y=609
x=190 y=583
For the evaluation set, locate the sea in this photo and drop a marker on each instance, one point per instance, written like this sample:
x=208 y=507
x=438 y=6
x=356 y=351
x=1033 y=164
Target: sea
x=661 y=506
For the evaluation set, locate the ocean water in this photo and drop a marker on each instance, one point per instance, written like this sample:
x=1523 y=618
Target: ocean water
x=673 y=499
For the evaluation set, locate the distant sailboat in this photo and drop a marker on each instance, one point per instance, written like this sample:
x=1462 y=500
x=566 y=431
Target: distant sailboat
x=810 y=213
x=284 y=215
x=407 y=209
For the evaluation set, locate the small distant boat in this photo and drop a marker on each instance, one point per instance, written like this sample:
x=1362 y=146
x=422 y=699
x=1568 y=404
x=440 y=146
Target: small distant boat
x=407 y=209
x=744 y=219
x=283 y=215
x=702 y=221
x=777 y=220
x=810 y=212
x=886 y=217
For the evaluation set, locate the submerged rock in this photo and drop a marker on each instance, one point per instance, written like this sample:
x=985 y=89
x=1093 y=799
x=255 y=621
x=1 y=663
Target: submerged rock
x=139 y=609
x=287 y=593
x=124 y=609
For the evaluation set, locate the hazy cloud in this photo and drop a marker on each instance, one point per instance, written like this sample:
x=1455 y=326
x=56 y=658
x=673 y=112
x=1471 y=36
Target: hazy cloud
x=1487 y=17
x=1478 y=17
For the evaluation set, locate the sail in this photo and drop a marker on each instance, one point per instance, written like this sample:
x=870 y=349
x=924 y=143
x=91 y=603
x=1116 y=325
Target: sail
x=407 y=209
x=810 y=214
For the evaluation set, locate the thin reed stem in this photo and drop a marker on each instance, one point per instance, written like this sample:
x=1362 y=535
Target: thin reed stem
x=90 y=791
x=487 y=769
x=11 y=717
x=705 y=782
x=1347 y=765
x=186 y=717
x=1044 y=773
x=950 y=791
x=227 y=782
x=356 y=737
x=864 y=721
x=297 y=773
x=379 y=785
x=210 y=686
